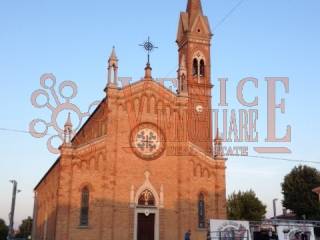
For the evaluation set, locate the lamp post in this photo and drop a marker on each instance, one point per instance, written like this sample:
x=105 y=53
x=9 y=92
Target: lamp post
x=274 y=201
x=13 y=205
x=274 y=208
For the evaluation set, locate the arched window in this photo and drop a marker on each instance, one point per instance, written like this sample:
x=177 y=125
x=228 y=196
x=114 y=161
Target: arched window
x=146 y=198
x=201 y=211
x=84 y=210
x=195 y=67
x=202 y=68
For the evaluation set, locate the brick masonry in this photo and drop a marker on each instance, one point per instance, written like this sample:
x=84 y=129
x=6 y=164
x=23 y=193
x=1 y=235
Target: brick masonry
x=101 y=157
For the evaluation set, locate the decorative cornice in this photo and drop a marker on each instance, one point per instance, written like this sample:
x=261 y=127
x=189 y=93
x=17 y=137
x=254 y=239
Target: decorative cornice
x=93 y=145
x=216 y=163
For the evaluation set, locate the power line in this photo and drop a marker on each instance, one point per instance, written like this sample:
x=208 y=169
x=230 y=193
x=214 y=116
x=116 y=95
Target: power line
x=171 y=71
x=228 y=15
x=250 y=156
x=282 y=159
x=23 y=131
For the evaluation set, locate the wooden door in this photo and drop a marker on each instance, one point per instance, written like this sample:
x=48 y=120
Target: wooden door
x=146 y=226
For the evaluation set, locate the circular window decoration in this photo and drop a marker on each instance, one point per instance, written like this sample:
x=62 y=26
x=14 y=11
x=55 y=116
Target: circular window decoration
x=147 y=141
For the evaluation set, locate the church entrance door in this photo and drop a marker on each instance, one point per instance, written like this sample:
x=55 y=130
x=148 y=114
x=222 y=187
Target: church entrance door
x=146 y=226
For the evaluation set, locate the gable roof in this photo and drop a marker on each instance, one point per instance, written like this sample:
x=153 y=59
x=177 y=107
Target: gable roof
x=143 y=81
x=47 y=173
x=135 y=84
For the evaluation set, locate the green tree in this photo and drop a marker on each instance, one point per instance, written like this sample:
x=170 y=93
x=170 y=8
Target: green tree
x=25 y=228
x=3 y=230
x=297 y=192
x=245 y=206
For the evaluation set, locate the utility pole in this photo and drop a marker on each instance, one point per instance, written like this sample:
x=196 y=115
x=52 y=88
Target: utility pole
x=13 y=205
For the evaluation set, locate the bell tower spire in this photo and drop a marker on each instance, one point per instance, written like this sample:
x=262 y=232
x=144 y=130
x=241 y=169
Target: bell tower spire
x=194 y=73
x=194 y=8
x=68 y=132
x=113 y=68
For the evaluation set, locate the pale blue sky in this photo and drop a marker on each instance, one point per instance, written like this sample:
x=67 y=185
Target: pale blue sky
x=73 y=39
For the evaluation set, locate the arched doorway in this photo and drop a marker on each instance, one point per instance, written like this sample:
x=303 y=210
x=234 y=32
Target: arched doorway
x=146 y=216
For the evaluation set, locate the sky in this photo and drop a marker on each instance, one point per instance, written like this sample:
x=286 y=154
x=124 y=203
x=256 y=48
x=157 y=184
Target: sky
x=73 y=39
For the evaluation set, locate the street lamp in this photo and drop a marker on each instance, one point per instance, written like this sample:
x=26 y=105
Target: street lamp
x=13 y=205
x=274 y=208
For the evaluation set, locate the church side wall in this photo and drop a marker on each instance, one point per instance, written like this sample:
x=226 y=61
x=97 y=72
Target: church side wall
x=90 y=168
x=46 y=206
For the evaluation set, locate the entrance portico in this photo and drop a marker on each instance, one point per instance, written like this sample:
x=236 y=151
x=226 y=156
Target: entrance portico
x=146 y=211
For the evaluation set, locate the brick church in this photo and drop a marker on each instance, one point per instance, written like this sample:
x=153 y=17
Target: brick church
x=145 y=165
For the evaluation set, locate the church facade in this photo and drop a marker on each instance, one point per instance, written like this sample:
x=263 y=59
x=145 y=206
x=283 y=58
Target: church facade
x=144 y=166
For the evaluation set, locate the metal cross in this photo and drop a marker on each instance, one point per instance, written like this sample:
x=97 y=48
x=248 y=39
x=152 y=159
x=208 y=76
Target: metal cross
x=149 y=47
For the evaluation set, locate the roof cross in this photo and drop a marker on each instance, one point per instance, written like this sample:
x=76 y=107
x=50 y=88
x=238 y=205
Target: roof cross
x=148 y=47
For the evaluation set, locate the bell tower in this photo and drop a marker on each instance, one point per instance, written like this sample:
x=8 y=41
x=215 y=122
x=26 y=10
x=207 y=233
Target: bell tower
x=194 y=42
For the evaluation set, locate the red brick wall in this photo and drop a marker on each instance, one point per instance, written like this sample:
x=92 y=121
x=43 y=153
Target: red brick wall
x=46 y=205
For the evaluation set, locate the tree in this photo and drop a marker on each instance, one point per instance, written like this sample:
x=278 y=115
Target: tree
x=245 y=206
x=297 y=192
x=25 y=228
x=3 y=230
